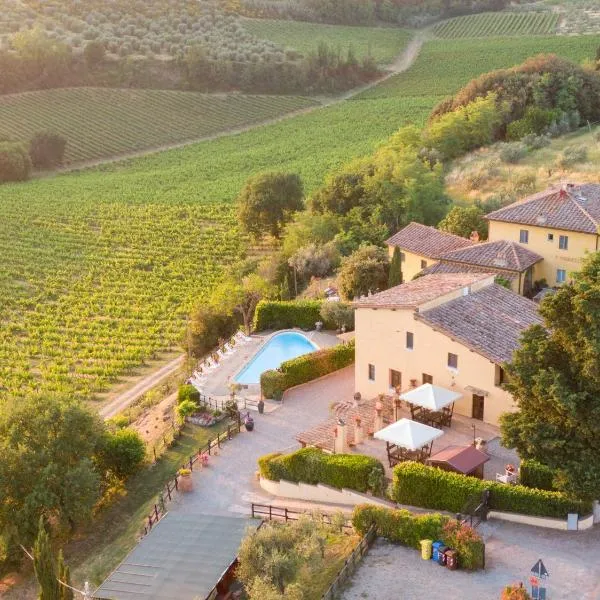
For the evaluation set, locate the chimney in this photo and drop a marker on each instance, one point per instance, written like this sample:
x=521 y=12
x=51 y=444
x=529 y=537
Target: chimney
x=378 y=423
x=474 y=237
x=359 y=431
x=340 y=443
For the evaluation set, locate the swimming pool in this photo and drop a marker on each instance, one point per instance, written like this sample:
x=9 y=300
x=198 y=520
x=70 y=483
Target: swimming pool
x=279 y=348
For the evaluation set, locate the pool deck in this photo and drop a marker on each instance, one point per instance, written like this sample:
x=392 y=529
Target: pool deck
x=218 y=383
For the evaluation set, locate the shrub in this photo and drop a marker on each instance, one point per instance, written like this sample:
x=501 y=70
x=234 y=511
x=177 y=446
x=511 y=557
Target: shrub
x=340 y=313
x=47 y=149
x=430 y=487
x=403 y=527
x=311 y=465
x=535 y=142
x=186 y=408
x=123 y=452
x=512 y=152
x=515 y=592
x=533 y=474
x=188 y=392
x=305 y=368
x=272 y=314
x=272 y=384
x=94 y=53
x=15 y=164
x=572 y=155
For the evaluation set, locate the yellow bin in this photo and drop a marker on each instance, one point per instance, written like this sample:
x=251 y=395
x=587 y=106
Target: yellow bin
x=426 y=549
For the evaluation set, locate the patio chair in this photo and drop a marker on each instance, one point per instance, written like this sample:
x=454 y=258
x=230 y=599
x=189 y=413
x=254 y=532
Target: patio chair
x=242 y=337
x=229 y=349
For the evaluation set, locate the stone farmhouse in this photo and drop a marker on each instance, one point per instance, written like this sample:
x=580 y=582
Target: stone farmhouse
x=541 y=238
x=454 y=330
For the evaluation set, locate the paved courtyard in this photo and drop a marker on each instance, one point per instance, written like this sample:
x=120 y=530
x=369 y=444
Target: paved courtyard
x=229 y=484
x=390 y=572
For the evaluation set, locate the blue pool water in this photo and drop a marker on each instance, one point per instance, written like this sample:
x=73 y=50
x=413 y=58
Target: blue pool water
x=279 y=348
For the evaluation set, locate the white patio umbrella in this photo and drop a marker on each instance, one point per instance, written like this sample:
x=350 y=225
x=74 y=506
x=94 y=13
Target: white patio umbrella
x=408 y=434
x=431 y=396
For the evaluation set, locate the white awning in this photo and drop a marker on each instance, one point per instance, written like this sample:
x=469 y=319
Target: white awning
x=431 y=396
x=408 y=434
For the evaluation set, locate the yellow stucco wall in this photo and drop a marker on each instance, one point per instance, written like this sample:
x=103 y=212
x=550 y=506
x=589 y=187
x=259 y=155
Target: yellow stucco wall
x=411 y=265
x=554 y=258
x=381 y=341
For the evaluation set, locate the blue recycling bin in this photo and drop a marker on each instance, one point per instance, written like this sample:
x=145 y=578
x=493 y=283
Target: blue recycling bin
x=435 y=554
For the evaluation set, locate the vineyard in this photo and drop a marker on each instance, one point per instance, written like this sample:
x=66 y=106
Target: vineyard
x=101 y=123
x=498 y=24
x=100 y=267
x=384 y=44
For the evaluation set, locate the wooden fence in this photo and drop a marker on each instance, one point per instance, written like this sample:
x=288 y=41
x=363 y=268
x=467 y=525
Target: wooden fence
x=272 y=513
x=350 y=565
x=171 y=487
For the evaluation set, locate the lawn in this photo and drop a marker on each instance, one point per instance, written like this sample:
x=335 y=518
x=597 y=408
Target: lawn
x=101 y=267
x=101 y=123
x=114 y=532
x=384 y=44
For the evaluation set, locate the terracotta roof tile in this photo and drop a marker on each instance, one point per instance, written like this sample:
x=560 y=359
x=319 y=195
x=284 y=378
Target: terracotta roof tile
x=499 y=255
x=489 y=321
x=427 y=241
x=450 y=267
x=576 y=207
x=421 y=290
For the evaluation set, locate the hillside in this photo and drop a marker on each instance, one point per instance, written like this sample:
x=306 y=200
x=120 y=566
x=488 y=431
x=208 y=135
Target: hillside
x=484 y=175
x=102 y=122
x=100 y=267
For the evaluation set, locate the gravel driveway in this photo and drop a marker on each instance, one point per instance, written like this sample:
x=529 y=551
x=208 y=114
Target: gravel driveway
x=391 y=572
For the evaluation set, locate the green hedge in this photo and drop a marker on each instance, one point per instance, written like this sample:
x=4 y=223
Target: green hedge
x=272 y=314
x=305 y=368
x=533 y=474
x=188 y=392
x=430 y=487
x=311 y=465
x=401 y=526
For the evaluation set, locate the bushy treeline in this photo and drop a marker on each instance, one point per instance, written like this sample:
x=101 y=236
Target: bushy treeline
x=364 y=12
x=40 y=62
x=544 y=95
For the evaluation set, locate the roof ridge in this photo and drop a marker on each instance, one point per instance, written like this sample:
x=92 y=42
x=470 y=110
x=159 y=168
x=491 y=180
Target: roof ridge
x=517 y=259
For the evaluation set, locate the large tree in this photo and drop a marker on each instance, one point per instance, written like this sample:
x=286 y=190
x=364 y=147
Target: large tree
x=554 y=378
x=48 y=446
x=241 y=296
x=464 y=220
x=366 y=270
x=268 y=201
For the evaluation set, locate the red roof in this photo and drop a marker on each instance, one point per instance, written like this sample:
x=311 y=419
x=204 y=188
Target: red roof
x=464 y=459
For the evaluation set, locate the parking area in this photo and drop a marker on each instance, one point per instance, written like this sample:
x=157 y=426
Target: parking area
x=392 y=572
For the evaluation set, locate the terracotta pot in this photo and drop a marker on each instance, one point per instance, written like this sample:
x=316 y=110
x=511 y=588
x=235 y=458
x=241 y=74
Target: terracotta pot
x=185 y=483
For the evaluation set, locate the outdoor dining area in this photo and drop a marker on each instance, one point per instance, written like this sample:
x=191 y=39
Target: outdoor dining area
x=431 y=405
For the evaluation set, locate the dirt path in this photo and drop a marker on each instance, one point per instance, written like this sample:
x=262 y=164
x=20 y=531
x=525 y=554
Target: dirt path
x=123 y=400
x=401 y=64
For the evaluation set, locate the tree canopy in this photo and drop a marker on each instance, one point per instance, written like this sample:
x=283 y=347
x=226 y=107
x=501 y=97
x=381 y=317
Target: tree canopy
x=47 y=446
x=364 y=271
x=554 y=378
x=268 y=201
x=463 y=220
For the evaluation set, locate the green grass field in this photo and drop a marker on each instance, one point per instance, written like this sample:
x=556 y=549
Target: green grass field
x=446 y=65
x=100 y=267
x=100 y=122
x=498 y=24
x=382 y=43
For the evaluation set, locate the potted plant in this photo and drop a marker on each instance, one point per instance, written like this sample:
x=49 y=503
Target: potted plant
x=249 y=422
x=510 y=469
x=261 y=406
x=185 y=483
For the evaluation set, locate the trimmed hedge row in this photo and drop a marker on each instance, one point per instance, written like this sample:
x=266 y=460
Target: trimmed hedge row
x=306 y=368
x=311 y=465
x=420 y=485
x=273 y=314
x=403 y=527
x=533 y=474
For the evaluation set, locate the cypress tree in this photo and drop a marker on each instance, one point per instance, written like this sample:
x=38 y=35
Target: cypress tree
x=44 y=565
x=395 y=276
x=66 y=593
